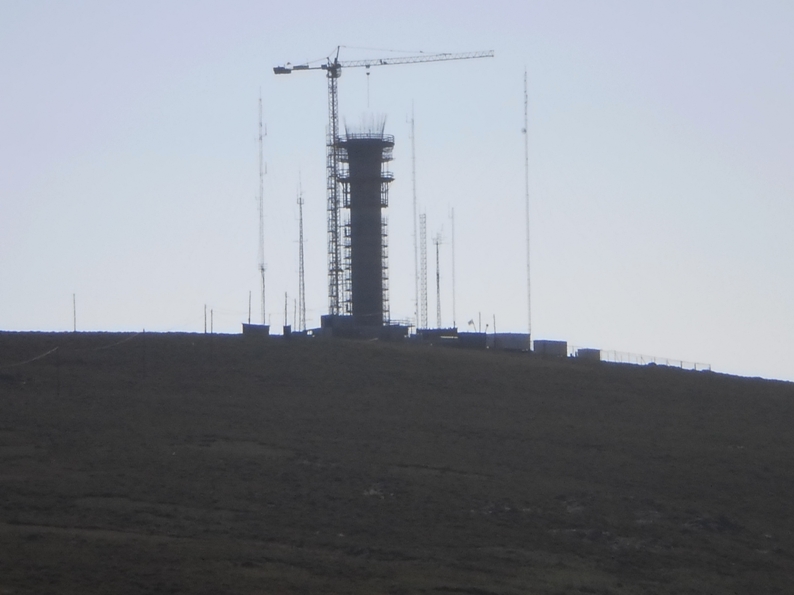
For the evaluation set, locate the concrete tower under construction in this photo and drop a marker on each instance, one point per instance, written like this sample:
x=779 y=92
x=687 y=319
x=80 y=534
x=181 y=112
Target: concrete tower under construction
x=365 y=179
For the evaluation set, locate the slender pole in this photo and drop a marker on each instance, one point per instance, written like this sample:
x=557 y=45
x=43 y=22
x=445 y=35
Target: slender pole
x=249 y=307
x=423 y=321
x=212 y=322
x=526 y=200
x=262 y=134
x=416 y=238
x=437 y=242
x=262 y=274
x=301 y=268
x=454 y=307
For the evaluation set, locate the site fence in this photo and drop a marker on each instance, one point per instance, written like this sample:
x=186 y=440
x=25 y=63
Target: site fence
x=637 y=359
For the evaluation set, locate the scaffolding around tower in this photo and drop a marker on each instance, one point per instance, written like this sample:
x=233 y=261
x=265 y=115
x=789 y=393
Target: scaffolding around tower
x=364 y=155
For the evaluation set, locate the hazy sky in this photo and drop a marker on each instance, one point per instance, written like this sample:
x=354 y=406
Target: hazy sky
x=661 y=144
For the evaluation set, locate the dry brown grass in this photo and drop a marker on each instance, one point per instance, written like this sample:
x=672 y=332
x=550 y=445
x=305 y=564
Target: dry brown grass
x=208 y=464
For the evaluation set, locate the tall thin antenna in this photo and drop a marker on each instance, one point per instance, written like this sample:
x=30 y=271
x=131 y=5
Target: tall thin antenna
x=454 y=307
x=437 y=240
x=423 y=274
x=301 y=268
x=262 y=207
x=526 y=198
x=416 y=238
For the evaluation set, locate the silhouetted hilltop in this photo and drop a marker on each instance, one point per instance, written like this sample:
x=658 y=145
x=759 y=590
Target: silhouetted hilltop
x=212 y=463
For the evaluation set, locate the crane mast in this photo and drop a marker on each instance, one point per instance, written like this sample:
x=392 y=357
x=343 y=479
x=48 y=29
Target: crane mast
x=335 y=299
x=338 y=300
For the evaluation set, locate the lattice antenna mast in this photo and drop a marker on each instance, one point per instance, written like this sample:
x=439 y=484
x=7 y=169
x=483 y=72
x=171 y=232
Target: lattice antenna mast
x=333 y=68
x=262 y=134
x=438 y=240
x=301 y=268
x=423 y=273
x=526 y=201
x=416 y=238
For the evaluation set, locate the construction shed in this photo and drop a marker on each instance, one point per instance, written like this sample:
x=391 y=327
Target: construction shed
x=509 y=341
x=551 y=348
x=589 y=355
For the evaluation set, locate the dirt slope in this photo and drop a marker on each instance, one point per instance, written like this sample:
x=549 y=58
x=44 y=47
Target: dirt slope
x=210 y=464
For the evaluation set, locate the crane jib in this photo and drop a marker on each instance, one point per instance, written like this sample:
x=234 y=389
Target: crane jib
x=337 y=65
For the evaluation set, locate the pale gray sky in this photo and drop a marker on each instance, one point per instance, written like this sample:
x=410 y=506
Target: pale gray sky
x=661 y=145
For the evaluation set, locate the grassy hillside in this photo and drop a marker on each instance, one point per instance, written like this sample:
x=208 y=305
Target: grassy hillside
x=208 y=464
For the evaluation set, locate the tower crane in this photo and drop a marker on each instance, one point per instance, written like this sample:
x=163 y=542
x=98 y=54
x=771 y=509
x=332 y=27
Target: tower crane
x=333 y=70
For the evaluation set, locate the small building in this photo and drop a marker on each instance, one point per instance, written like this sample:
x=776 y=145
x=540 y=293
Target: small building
x=436 y=335
x=472 y=340
x=347 y=327
x=256 y=330
x=589 y=355
x=551 y=348
x=509 y=341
